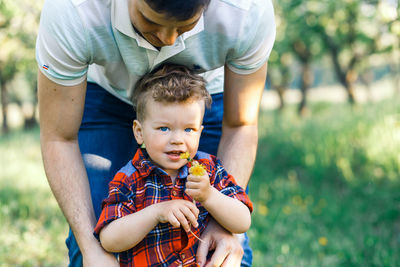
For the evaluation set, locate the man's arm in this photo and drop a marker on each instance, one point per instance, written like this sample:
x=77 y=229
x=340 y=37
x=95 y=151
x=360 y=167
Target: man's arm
x=237 y=150
x=61 y=110
x=238 y=146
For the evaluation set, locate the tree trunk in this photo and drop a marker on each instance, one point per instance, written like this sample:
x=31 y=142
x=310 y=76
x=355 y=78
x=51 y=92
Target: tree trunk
x=4 y=103
x=367 y=78
x=30 y=121
x=395 y=71
x=307 y=79
x=351 y=77
x=281 y=90
x=344 y=77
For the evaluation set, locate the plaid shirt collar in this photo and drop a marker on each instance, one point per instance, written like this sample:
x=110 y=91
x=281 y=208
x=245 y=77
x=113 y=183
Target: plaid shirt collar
x=145 y=166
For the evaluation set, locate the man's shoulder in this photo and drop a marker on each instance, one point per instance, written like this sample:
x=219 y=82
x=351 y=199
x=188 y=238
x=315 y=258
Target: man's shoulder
x=236 y=15
x=82 y=13
x=243 y=4
x=90 y=2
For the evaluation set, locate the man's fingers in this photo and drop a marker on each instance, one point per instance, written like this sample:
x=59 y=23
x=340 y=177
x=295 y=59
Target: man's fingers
x=233 y=259
x=202 y=251
x=219 y=255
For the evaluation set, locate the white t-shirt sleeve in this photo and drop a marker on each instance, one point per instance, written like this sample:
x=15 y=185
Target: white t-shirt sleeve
x=62 y=50
x=257 y=40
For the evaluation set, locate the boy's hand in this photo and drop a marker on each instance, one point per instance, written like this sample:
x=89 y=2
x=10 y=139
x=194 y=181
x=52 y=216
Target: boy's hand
x=178 y=212
x=198 y=187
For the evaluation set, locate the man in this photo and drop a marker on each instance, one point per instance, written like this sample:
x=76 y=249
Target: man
x=91 y=53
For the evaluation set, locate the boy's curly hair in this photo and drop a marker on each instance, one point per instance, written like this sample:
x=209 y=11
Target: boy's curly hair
x=169 y=83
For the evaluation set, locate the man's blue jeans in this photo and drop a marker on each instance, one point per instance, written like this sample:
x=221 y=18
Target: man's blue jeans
x=107 y=143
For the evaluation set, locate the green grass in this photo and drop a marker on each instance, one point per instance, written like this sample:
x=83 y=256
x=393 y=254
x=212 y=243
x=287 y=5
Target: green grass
x=32 y=228
x=325 y=190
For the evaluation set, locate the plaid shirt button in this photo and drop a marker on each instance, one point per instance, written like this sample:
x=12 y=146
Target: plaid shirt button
x=174 y=193
x=183 y=256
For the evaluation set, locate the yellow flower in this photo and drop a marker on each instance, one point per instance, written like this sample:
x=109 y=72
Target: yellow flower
x=323 y=241
x=197 y=169
x=262 y=209
x=185 y=155
x=287 y=210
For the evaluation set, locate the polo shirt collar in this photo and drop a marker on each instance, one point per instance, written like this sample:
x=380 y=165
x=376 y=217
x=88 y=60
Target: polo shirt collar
x=121 y=21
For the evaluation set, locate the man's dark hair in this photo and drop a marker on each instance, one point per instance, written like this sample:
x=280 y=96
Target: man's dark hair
x=178 y=9
x=169 y=84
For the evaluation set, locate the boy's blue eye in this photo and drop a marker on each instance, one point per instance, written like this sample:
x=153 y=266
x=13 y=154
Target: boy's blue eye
x=188 y=130
x=163 y=129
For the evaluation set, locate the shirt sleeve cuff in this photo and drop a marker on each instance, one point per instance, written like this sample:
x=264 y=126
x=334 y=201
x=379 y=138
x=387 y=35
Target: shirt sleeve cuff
x=62 y=81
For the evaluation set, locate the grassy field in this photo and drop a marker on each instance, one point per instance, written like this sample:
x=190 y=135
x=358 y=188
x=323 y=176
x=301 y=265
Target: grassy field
x=325 y=188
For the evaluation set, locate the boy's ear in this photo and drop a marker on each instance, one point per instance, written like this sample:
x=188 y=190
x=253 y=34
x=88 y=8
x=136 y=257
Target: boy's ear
x=201 y=128
x=138 y=131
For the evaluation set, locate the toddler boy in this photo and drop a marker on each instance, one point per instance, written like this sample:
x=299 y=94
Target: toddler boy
x=157 y=207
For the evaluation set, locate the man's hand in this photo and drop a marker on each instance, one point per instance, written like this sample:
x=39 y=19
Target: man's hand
x=198 y=187
x=178 y=212
x=228 y=251
x=100 y=258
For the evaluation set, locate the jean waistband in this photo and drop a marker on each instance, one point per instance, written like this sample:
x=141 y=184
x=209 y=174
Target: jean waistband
x=102 y=109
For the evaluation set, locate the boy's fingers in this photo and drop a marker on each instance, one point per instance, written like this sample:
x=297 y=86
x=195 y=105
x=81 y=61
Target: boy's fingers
x=191 y=214
x=193 y=178
x=192 y=192
x=194 y=210
x=182 y=220
x=173 y=221
x=192 y=185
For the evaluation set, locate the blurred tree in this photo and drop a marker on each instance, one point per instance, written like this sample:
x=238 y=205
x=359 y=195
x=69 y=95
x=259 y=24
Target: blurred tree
x=348 y=31
x=18 y=29
x=389 y=12
x=279 y=64
x=7 y=60
x=304 y=42
x=351 y=32
x=296 y=39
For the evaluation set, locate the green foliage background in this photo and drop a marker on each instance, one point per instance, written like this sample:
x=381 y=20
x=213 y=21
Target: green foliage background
x=325 y=189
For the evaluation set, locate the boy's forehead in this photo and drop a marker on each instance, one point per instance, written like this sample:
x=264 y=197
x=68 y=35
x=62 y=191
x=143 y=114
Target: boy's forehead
x=153 y=102
x=158 y=107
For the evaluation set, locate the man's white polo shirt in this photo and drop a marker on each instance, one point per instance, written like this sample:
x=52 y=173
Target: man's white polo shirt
x=94 y=39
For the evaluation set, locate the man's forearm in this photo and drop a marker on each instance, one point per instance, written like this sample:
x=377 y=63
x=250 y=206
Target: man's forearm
x=237 y=150
x=67 y=177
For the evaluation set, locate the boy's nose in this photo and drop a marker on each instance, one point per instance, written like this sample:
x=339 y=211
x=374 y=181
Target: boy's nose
x=176 y=138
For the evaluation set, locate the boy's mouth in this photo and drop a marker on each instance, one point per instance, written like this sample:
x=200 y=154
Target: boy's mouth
x=174 y=155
